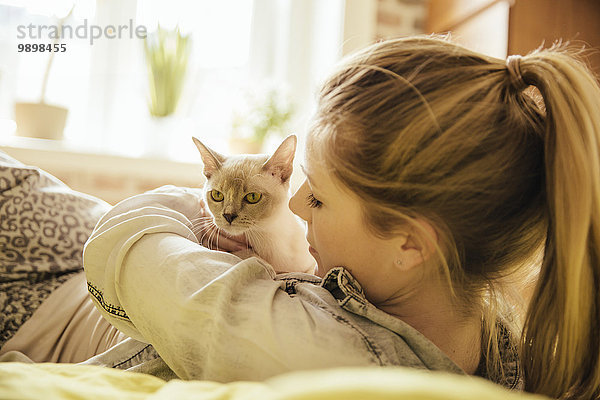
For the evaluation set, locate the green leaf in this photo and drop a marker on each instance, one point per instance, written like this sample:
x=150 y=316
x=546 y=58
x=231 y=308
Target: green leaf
x=167 y=54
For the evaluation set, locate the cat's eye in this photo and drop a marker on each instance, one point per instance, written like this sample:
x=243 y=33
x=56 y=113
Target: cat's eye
x=216 y=195
x=253 y=197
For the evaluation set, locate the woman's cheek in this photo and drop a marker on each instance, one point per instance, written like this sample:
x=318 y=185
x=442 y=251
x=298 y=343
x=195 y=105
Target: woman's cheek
x=324 y=241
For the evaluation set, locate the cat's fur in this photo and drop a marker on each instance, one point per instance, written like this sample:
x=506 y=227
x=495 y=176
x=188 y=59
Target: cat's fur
x=273 y=231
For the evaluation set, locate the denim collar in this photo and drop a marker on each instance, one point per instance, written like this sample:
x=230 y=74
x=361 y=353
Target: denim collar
x=351 y=297
x=343 y=286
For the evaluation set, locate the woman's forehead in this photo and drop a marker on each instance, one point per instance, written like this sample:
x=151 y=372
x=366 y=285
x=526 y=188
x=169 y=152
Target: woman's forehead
x=322 y=178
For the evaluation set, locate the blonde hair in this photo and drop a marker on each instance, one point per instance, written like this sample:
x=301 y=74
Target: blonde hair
x=421 y=127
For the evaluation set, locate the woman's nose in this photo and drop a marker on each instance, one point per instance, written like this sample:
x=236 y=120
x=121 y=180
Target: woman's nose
x=298 y=206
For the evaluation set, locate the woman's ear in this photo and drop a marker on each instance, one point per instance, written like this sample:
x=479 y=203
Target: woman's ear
x=416 y=245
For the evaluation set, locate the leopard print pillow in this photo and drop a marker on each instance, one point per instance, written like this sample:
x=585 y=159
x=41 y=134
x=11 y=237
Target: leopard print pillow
x=43 y=227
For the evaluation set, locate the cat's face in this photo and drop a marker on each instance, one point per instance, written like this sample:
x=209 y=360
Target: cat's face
x=243 y=191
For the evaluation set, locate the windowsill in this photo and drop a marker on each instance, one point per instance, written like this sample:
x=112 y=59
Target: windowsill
x=64 y=146
x=13 y=141
x=108 y=176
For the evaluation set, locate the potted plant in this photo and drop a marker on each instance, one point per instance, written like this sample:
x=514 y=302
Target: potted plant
x=167 y=53
x=43 y=120
x=266 y=116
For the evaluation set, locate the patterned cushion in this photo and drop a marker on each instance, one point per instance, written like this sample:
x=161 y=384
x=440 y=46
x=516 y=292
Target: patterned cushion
x=43 y=227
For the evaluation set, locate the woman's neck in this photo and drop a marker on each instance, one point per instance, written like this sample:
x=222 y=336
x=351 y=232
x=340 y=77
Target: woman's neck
x=431 y=311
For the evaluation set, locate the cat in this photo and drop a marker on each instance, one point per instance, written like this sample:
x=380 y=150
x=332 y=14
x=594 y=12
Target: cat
x=249 y=194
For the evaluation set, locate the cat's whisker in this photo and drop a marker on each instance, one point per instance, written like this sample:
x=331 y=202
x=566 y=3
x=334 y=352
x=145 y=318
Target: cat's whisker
x=202 y=217
x=200 y=233
x=246 y=242
x=208 y=236
x=201 y=239
x=207 y=233
x=197 y=213
x=218 y=233
x=253 y=228
x=197 y=229
x=201 y=220
x=255 y=236
x=215 y=235
x=201 y=226
x=250 y=238
x=205 y=223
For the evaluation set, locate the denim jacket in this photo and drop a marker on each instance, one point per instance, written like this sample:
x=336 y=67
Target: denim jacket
x=211 y=315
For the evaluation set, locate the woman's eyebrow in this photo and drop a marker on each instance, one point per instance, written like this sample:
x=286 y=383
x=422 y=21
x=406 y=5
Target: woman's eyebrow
x=310 y=180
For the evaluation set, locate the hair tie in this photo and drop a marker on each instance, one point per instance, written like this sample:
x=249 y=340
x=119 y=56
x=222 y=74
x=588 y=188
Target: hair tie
x=513 y=65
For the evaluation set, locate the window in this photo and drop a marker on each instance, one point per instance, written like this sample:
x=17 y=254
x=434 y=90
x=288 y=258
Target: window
x=237 y=46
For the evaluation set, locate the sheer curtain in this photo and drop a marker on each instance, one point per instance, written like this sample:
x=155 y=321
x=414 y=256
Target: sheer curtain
x=237 y=46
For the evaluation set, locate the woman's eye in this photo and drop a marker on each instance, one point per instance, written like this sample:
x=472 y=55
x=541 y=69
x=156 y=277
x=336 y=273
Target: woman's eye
x=216 y=195
x=253 y=198
x=312 y=201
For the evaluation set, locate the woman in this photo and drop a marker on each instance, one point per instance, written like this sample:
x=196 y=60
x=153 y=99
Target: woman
x=442 y=145
x=432 y=177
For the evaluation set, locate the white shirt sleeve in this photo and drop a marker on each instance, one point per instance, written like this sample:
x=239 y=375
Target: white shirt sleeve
x=209 y=314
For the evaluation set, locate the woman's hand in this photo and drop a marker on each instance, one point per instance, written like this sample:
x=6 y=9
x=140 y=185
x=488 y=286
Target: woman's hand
x=214 y=238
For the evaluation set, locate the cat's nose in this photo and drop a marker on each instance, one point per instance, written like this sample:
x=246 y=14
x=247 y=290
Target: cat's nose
x=230 y=217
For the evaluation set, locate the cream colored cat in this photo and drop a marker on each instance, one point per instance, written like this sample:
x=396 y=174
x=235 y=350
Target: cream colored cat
x=249 y=194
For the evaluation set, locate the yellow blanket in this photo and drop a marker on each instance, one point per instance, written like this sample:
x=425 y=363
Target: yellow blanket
x=70 y=381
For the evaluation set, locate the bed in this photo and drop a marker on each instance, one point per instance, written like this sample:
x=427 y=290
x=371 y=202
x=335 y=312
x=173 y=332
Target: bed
x=68 y=381
x=43 y=225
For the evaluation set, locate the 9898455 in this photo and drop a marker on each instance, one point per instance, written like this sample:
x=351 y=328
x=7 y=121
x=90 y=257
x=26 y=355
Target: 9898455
x=41 y=48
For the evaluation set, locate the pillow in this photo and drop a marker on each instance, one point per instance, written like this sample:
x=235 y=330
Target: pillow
x=43 y=227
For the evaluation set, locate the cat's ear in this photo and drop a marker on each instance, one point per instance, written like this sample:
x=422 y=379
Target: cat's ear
x=281 y=163
x=211 y=159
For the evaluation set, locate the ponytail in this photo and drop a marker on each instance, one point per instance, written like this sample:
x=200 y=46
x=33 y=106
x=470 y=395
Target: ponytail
x=561 y=334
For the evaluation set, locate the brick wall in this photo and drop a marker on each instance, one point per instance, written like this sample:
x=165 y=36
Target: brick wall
x=400 y=18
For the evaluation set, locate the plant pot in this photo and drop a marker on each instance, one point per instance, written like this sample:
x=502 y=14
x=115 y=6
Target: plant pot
x=240 y=145
x=159 y=134
x=40 y=120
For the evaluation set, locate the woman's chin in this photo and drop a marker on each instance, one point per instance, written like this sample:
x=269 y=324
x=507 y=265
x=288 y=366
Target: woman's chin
x=319 y=270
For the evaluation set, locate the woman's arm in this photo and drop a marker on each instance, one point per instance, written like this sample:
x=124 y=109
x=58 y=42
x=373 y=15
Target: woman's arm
x=209 y=314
